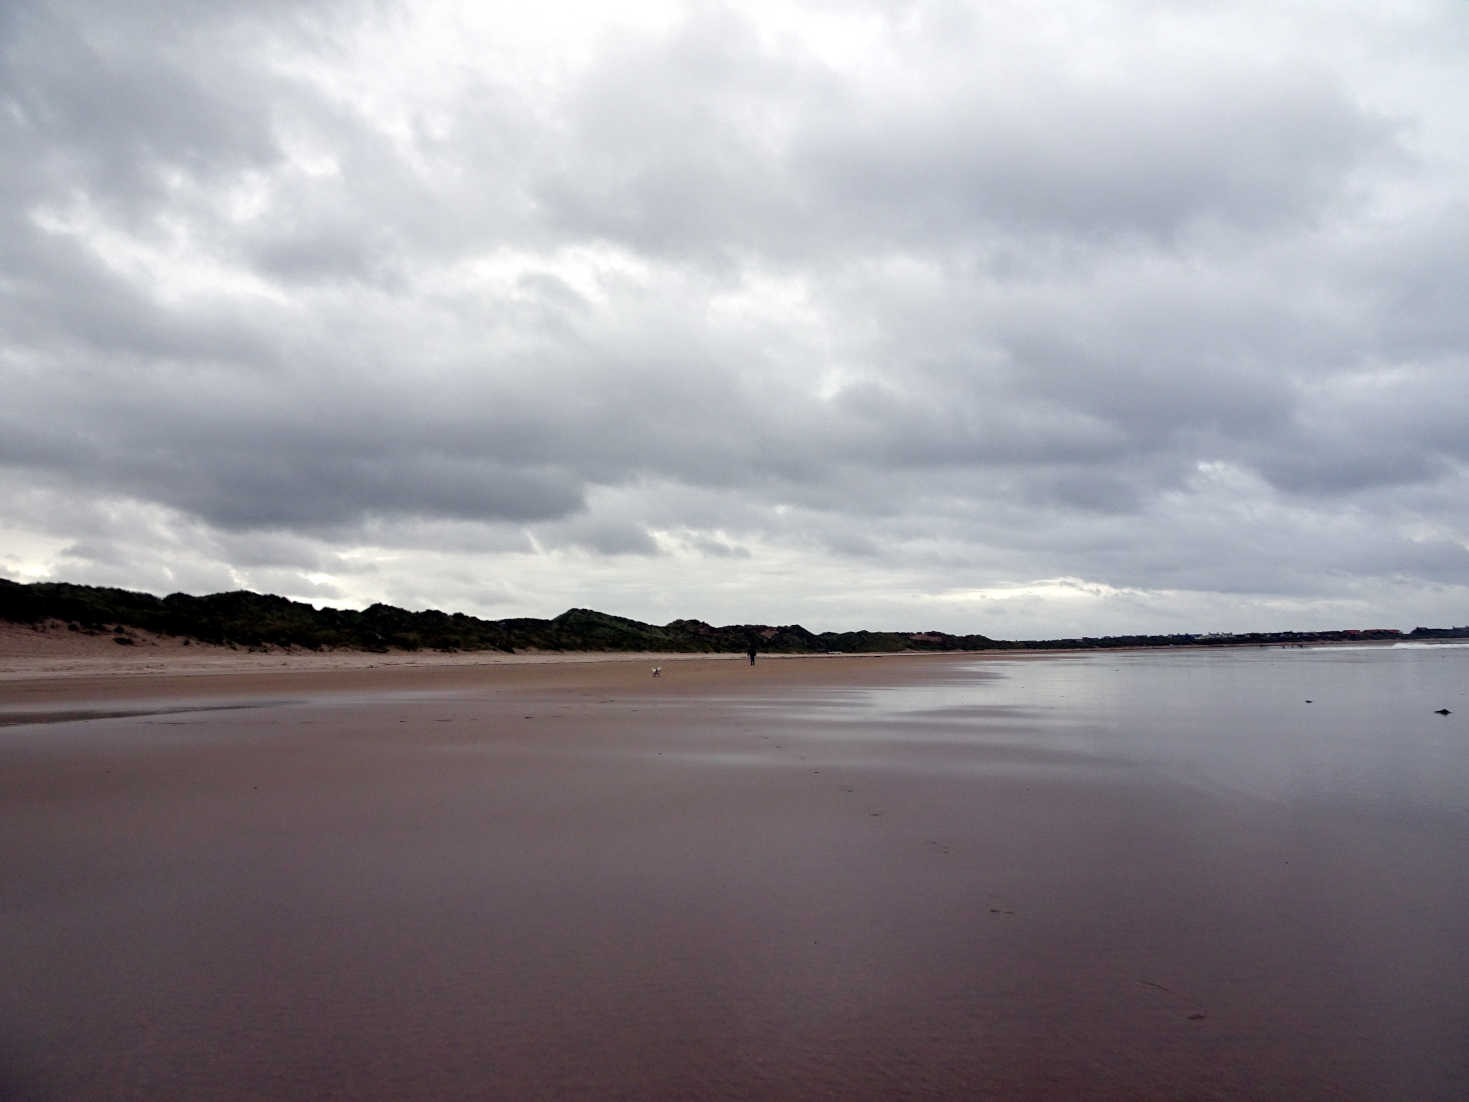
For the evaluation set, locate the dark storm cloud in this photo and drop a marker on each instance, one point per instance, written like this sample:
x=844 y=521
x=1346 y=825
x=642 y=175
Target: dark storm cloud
x=970 y=294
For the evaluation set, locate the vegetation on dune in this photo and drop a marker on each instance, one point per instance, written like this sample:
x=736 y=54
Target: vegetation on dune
x=246 y=619
x=250 y=619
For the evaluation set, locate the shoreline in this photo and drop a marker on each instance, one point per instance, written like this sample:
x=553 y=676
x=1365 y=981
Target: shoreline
x=43 y=691
x=48 y=675
x=32 y=658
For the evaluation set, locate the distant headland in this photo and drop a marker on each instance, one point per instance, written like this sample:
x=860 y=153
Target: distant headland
x=255 y=620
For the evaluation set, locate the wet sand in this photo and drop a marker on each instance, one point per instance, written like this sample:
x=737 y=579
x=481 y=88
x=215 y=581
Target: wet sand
x=569 y=880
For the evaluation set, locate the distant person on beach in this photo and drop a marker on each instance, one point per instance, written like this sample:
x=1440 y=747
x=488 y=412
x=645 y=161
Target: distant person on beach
x=751 y=653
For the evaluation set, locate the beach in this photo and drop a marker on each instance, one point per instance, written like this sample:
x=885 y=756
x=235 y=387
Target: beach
x=307 y=877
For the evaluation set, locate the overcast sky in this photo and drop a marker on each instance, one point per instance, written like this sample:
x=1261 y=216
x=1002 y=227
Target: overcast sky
x=1031 y=320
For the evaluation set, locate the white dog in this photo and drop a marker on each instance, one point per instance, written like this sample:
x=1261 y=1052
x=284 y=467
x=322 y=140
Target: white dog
x=657 y=671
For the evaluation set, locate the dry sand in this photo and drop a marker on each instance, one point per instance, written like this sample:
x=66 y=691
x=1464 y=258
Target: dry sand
x=43 y=673
x=472 y=879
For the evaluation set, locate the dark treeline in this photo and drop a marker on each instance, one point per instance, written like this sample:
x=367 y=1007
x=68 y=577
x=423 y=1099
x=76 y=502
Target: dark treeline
x=250 y=619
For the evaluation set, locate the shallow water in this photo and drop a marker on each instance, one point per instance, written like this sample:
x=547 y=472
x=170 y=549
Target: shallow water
x=1142 y=875
x=1354 y=724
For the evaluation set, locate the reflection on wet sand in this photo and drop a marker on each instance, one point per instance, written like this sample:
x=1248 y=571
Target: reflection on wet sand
x=837 y=883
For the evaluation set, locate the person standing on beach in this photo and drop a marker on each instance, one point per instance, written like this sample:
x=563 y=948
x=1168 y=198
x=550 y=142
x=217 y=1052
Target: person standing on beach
x=751 y=653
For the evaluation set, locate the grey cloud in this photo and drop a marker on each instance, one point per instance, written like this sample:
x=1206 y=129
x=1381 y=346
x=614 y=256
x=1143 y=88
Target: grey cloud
x=602 y=536
x=710 y=142
x=443 y=535
x=1341 y=465
x=1386 y=428
x=718 y=547
x=319 y=253
x=113 y=101
x=984 y=304
x=260 y=490
x=1135 y=159
x=232 y=459
x=842 y=540
x=1412 y=276
x=69 y=308
x=293 y=582
x=674 y=138
x=1088 y=490
x=138 y=566
x=253 y=550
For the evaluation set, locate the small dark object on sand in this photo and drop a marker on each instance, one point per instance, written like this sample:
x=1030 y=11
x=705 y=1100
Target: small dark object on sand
x=1309 y=702
x=1443 y=712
